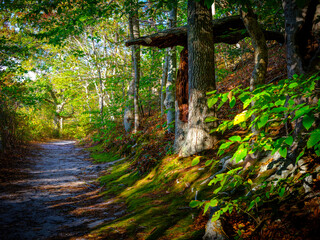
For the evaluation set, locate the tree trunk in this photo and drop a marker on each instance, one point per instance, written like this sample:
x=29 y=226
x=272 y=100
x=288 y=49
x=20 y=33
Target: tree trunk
x=87 y=98
x=97 y=65
x=292 y=24
x=302 y=43
x=56 y=124
x=135 y=33
x=61 y=123
x=128 y=112
x=181 y=103
x=163 y=82
x=301 y=40
x=170 y=86
x=201 y=78
x=101 y=100
x=150 y=82
x=260 y=54
x=260 y=47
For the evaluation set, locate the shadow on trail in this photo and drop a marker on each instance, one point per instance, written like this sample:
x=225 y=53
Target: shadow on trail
x=54 y=196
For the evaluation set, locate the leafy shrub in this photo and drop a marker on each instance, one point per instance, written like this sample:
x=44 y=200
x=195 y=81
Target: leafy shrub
x=286 y=104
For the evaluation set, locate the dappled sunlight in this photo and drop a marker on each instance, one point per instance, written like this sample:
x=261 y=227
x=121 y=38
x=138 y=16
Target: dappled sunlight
x=55 y=196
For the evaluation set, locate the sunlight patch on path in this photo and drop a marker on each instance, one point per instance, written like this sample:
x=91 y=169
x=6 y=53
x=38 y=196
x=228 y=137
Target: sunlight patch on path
x=58 y=199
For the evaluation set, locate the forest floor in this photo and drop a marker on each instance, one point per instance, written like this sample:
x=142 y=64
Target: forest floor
x=52 y=194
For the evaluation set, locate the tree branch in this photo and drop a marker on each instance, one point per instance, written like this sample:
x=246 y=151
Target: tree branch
x=226 y=30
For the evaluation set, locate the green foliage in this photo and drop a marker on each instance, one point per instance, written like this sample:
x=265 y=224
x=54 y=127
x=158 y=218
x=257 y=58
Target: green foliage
x=274 y=107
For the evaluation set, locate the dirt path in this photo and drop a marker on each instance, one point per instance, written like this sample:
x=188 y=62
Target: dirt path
x=54 y=197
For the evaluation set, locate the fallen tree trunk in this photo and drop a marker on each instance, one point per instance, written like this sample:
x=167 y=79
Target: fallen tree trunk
x=225 y=30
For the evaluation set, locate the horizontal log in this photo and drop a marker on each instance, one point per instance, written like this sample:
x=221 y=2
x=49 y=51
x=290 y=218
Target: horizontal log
x=226 y=30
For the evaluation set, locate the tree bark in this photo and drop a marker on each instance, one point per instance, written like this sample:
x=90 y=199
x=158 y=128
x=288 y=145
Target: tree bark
x=302 y=42
x=170 y=86
x=97 y=65
x=260 y=47
x=135 y=33
x=181 y=103
x=128 y=112
x=163 y=82
x=201 y=78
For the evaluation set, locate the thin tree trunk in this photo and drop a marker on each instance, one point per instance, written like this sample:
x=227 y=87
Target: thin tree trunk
x=135 y=33
x=172 y=65
x=87 y=98
x=128 y=112
x=201 y=76
x=100 y=92
x=150 y=89
x=61 y=123
x=163 y=82
x=260 y=59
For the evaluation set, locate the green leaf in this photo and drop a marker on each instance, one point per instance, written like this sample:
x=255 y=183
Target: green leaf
x=247 y=103
x=268 y=195
x=280 y=102
x=279 y=109
x=216 y=216
x=195 y=203
x=212 y=92
x=212 y=101
x=240 y=154
x=233 y=171
x=262 y=121
x=217 y=190
x=293 y=85
x=230 y=209
x=282 y=191
x=314 y=138
x=302 y=111
x=208 y=162
x=211 y=119
x=224 y=97
x=289 y=140
x=195 y=161
x=213 y=203
x=235 y=138
x=300 y=155
x=252 y=203
x=308 y=120
x=206 y=207
x=225 y=145
x=283 y=152
x=232 y=102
